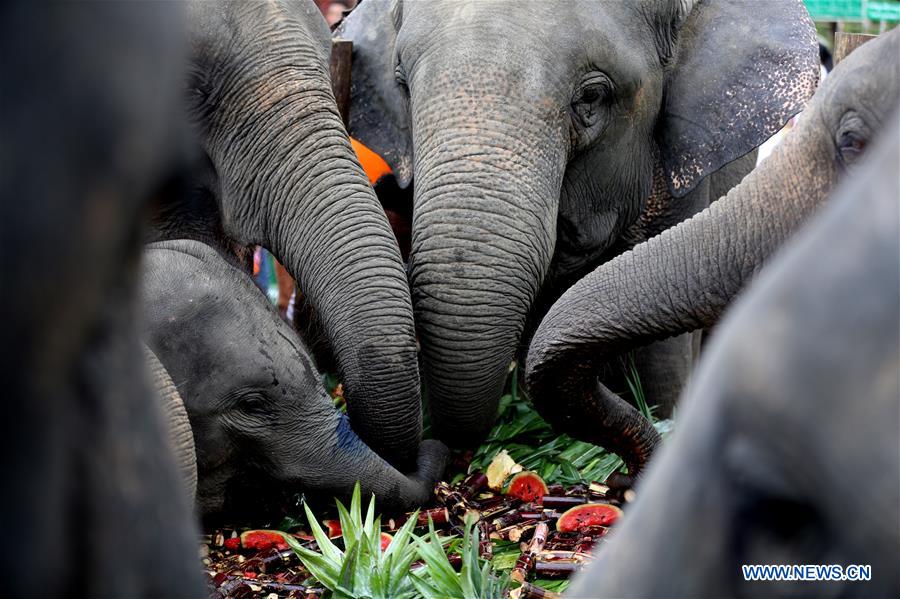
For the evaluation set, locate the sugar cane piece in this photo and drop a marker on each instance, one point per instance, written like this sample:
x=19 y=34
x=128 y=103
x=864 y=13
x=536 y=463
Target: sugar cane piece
x=515 y=532
x=506 y=520
x=556 y=489
x=562 y=501
x=578 y=489
x=485 y=548
x=507 y=505
x=532 y=591
x=438 y=515
x=488 y=502
x=563 y=541
x=472 y=484
x=454 y=502
x=273 y=560
x=554 y=554
x=556 y=568
x=525 y=563
x=599 y=489
x=543 y=514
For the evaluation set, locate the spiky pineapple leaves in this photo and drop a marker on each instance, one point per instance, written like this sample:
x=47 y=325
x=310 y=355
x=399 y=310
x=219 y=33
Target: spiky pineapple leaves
x=361 y=569
x=438 y=579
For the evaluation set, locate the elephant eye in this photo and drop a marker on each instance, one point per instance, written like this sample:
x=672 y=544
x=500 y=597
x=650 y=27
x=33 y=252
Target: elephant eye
x=590 y=99
x=254 y=403
x=850 y=139
x=850 y=146
x=400 y=75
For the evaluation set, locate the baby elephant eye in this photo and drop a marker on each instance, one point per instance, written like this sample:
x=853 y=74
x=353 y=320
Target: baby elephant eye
x=253 y=403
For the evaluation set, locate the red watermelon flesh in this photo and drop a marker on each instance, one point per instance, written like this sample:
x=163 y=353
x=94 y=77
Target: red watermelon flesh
x=334 y=528
x=385 y=540
x=262 y=539
x=527 y=486
x=589 y=514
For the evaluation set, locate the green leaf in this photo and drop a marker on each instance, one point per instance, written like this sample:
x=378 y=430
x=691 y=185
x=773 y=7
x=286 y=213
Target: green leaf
x=328 y=549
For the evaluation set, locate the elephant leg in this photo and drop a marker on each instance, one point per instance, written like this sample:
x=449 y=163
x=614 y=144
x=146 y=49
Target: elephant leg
x=664 y=368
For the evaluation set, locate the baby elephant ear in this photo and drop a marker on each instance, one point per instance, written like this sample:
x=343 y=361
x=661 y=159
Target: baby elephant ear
x=379 y=109
x=740 y=69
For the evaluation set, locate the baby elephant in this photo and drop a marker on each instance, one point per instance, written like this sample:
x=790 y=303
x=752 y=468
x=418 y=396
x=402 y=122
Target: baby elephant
x=256 y=403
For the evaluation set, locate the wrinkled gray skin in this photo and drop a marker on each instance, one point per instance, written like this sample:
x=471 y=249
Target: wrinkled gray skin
x=256 y=403
x=787 y=449
x=180 y=436
x=533 y=131
x=683 y=279
x=91 y=504
x=274 y=167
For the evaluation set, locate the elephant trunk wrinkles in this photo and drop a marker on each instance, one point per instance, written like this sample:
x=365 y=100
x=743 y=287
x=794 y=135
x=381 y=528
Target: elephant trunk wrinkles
x=328 y=230
x=679 y=281
x=483 y=235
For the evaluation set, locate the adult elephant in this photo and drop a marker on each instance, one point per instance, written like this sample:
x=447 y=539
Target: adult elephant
x=683 y=279
x=274 y=167
x=90 y=96
x=800 y=392
x=533 y=130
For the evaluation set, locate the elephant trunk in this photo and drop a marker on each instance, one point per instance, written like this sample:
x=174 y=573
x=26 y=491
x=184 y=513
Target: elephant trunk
x=181 y=437
x=347 y=263
x=679 y=281
x=325 y=225
x=484 y=228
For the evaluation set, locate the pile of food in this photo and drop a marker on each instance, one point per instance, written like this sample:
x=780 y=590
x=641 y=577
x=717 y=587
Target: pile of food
x=527 y=537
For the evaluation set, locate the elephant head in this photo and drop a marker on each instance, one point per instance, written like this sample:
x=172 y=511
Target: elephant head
x=683 y=279
x=787 y=449
x=276 y=167
x=532 y=131
x=257 y=407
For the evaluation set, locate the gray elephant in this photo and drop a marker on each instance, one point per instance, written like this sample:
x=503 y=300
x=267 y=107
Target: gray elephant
x=274 y=167
x=683 y=279
x=91 y=504
x=787 y=450
x=533 y=130
x=257 y=406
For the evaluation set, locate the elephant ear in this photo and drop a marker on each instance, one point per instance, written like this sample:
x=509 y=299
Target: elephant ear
x=379 y=108
x=738 y=70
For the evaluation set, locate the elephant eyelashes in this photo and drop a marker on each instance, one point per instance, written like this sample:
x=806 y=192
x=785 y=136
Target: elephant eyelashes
x=589 y=100
x=850 y=146
x=254 y=404
x=849 y=139
x=400 y=76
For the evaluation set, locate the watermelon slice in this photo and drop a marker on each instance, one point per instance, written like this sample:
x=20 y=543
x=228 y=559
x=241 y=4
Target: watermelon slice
x=588 y=514
x=385 y=540
x=334 y=528
x=263 y=539
x=527 y=486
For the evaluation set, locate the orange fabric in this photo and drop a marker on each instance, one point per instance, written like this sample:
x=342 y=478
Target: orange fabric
x=372 y=163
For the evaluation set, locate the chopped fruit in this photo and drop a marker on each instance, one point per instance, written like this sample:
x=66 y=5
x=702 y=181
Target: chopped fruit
x=334 y=528
x=262 y=539
x=527 y=486
x=232 y=544
x=500 y=468
x=385 y=540
x=589 y=514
